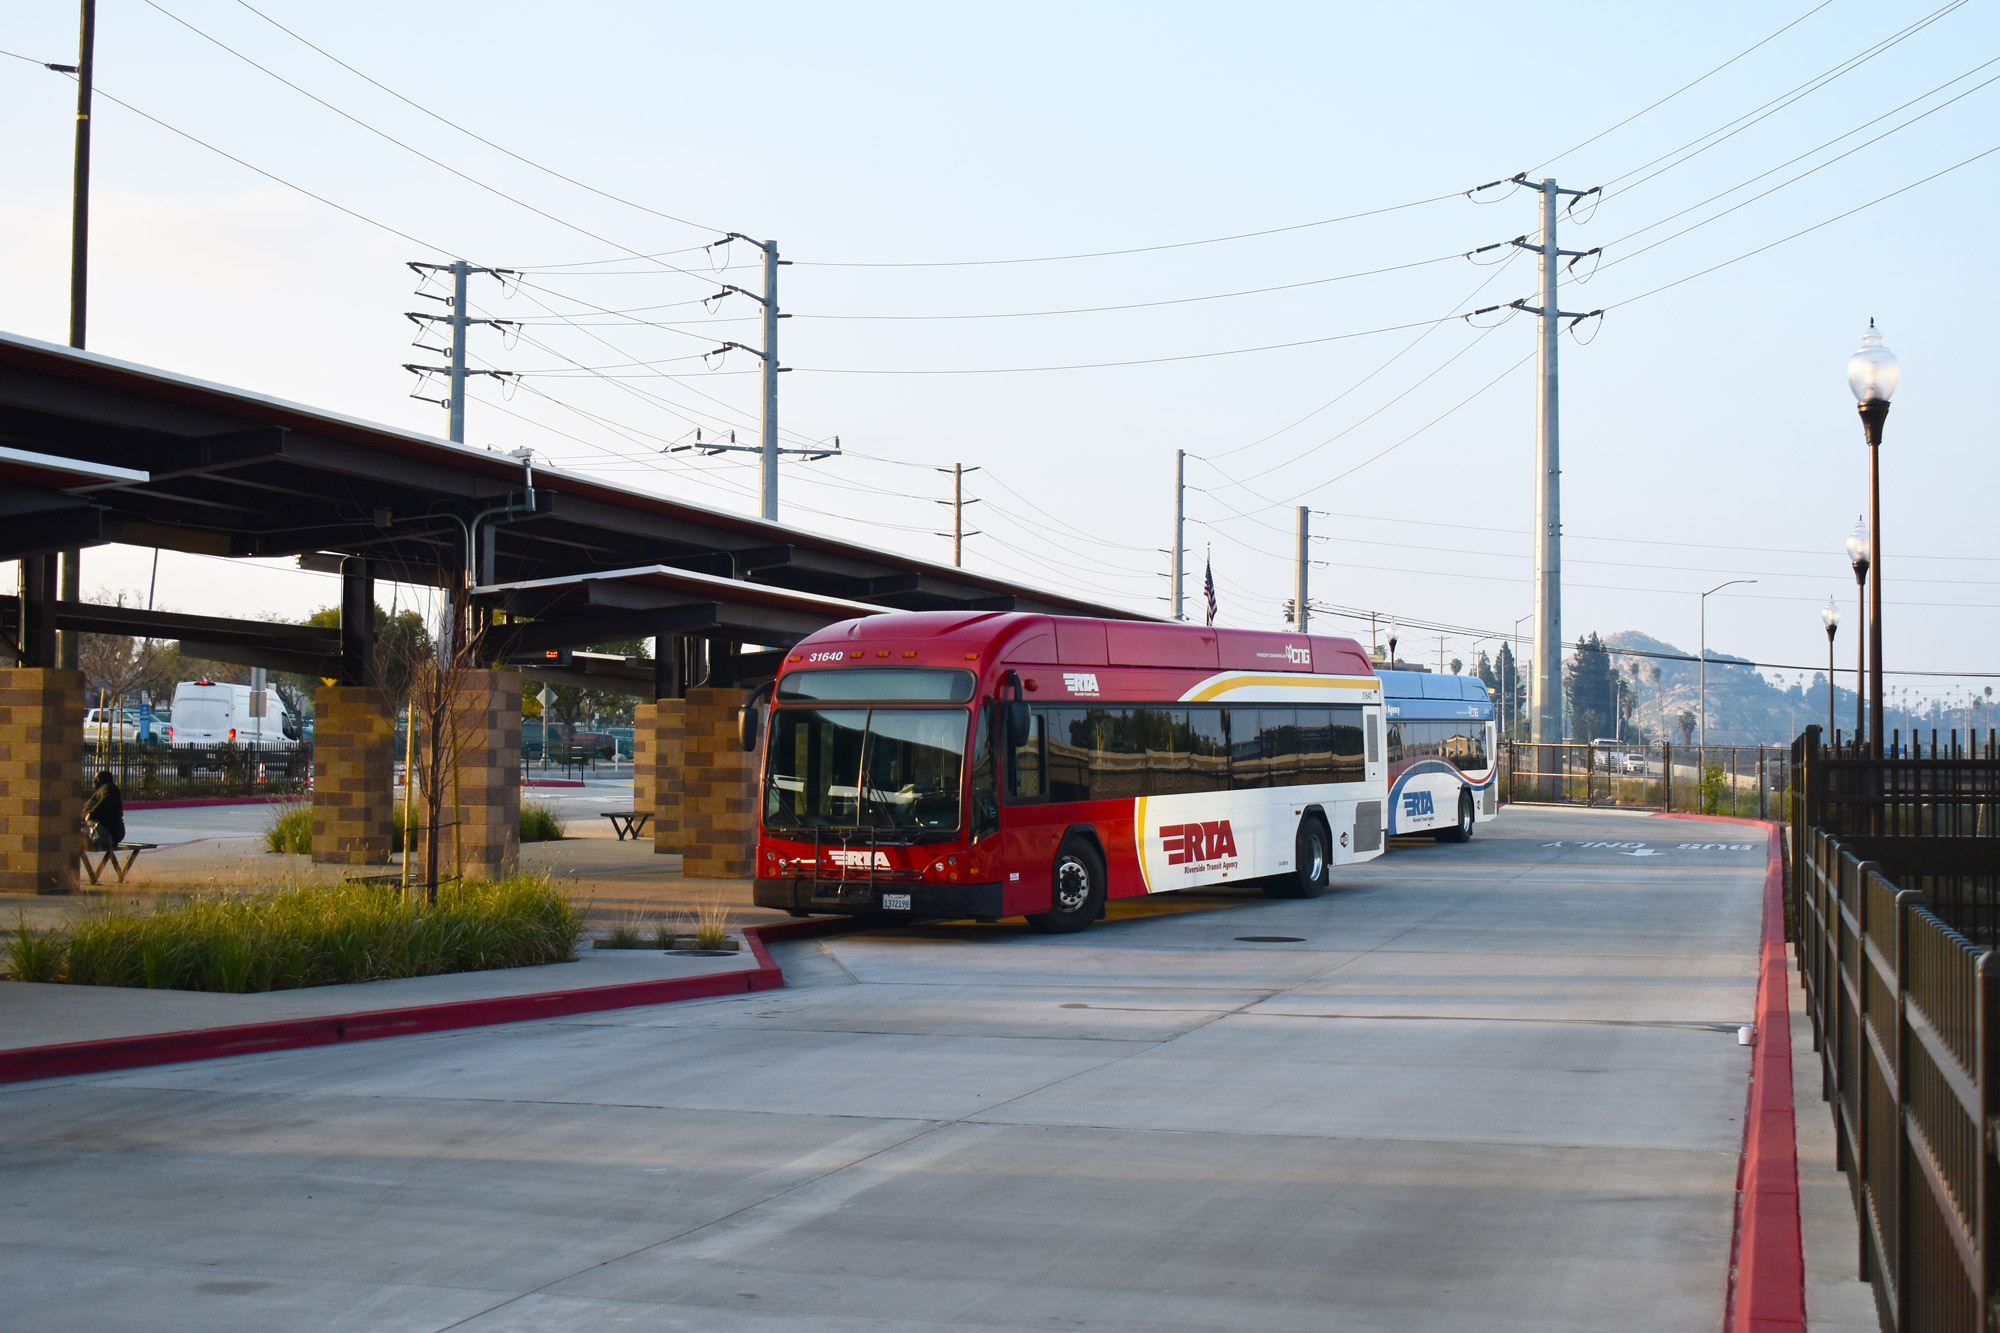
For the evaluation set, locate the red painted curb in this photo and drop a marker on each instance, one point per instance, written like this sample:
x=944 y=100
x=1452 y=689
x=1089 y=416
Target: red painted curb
x=1767 y=1255
x=549 y=782
x=159 y=1048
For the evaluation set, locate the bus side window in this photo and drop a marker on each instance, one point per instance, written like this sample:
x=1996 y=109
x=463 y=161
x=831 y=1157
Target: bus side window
x=1395 y=742
x=1207 y=749
x=1071 y=736
x=1024 y=771
x=985 y=777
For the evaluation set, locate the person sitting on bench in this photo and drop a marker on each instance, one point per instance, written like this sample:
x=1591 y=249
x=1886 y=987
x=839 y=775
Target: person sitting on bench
x=104 y=814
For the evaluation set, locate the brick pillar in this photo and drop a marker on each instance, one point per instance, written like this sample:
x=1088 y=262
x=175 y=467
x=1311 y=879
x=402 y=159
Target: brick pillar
x=41 y=779
x=669 y=772
x=488 y=796
x=718 y=828
x=354 y=775
x=643 y=748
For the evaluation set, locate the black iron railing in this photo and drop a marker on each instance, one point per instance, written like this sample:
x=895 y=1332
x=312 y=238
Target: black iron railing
x=1744 y=780
x=1895 y=934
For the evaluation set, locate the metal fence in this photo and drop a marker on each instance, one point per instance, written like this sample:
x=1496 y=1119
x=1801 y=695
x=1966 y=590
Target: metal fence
x=155 y=772
x=1746 y=780
x=1895 y=935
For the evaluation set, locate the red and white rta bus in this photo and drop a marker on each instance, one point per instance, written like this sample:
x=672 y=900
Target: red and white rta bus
x=945 y=765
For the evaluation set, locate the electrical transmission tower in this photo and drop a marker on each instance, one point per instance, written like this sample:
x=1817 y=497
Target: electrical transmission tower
x=455 y=372
x=958 y=502
x=767 y=447
x=1545 y=686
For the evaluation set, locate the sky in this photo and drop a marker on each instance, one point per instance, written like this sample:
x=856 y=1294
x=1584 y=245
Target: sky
x=1249 y=232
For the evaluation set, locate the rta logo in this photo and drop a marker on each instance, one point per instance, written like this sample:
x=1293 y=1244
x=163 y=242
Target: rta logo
x=1080 y=682
x=856 y=859
x=1417 y=803
x=1197 y=842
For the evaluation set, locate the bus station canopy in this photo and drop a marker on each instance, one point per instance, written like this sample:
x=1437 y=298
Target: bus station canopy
x=95 y=450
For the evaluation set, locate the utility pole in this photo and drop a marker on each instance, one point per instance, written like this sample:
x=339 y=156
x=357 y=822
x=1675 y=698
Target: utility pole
x=767 y=447
x=79 y=281
x=79 y=228
x=1300 y=601
x=958 y=502
x=1180 y=547
x=459 y=321
x=1546 y=708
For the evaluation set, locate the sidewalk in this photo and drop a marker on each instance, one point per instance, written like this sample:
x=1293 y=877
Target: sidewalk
x=1837 y=1301
x=34 y=1014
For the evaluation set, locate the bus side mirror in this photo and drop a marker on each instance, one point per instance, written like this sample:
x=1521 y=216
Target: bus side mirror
x=747 y=721
x=1017 y=723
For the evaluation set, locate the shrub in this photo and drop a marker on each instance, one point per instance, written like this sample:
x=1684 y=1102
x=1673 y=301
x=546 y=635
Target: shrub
x=35 y=955
x=539 y=823
x=309 y=937
x=711 y=923
x=624 y=936
x=292 y=829
x=1713 y=780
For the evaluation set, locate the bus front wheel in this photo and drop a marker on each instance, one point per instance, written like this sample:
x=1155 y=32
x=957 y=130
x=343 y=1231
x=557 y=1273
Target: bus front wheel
x=1462 y=830
x=1312 y=863
x=1076 y=890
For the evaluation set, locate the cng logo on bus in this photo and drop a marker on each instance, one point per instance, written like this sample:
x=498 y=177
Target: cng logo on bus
x=1080 y=682
x=1417 y=803
x=1207 y=841
x=857 y=859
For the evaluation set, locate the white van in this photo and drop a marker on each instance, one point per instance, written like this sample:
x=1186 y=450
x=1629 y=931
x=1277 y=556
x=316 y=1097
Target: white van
x=209 y=716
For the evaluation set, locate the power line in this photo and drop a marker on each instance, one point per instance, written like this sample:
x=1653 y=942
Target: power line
x=526 y=161
x=1784 y=100
x=1745 y=203
x=1131 y=250
x=1654 y=106
x=1805 y=231
x=409 y=148
x=1150 y=305
x=1106 y=365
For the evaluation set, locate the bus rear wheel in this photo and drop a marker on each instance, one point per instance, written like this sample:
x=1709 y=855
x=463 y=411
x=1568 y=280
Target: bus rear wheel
x=1312 y=862
x=1462 y=830
x=1076 y=890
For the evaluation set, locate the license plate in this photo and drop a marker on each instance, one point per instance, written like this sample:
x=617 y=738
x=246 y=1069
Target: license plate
x=895 y=902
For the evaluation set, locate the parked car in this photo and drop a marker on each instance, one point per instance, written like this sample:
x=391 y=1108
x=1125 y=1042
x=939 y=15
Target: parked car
x=209 y=716
x=1613 y=757
x=102 y=725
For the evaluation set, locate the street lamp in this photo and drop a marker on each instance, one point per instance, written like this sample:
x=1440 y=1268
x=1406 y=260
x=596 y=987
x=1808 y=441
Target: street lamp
x=1704 y=660
x=1830 y=616
x=1392 y=643
x=1872 y=374
x=1860 y=554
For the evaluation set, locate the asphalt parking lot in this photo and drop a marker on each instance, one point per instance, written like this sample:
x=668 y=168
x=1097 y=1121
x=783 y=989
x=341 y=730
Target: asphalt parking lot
x=1494 y=1086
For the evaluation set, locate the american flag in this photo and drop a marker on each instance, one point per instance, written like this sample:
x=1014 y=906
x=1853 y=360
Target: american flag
x=1208 y=587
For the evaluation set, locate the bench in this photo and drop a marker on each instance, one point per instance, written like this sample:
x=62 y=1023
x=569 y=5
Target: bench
x=628 y=823
x=110 y=858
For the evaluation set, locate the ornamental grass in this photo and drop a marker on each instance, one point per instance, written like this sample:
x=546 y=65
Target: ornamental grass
x=307 y=937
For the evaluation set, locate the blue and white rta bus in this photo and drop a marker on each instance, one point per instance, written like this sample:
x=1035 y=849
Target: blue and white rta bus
x=1441 y=754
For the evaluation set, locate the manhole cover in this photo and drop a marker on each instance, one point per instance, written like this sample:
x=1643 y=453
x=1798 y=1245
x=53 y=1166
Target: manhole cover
x=1272 y=939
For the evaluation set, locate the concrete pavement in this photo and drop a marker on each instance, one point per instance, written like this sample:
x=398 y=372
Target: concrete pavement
x=1492 y=1086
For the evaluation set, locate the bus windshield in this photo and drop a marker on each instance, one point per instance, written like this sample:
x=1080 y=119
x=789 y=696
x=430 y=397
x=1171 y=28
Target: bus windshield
x=894 y=769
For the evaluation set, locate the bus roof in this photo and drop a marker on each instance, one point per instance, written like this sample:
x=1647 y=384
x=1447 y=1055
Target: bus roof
x=1001 y=638
x=1421 y=694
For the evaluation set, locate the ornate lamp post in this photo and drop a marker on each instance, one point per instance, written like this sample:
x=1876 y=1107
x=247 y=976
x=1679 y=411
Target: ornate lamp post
x=1830 y=617
x=1860 y=554
x=1392 y=644
x=1872 y=375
